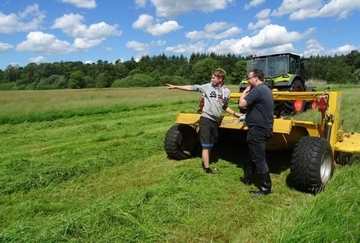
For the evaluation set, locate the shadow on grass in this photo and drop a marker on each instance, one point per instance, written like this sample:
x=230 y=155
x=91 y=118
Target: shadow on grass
x=232 y=147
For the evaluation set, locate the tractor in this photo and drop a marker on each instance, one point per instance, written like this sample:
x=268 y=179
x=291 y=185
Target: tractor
x=315 y=148
x=282 y=72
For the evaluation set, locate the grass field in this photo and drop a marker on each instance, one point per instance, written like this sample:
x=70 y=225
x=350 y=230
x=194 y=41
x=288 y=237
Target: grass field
x=90 y=166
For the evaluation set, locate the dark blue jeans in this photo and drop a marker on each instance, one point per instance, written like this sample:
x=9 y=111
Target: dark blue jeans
x=256 y=140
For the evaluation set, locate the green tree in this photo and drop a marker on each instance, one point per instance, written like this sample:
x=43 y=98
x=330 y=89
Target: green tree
x=339 y=73
x=89 y=82
x=239 y=71
x=202 y=71
x=120 y=70
x=76 y=80
x=137 y=80
x=53 y=82
x=103 y=80
x=12 y=73
x=28 y=73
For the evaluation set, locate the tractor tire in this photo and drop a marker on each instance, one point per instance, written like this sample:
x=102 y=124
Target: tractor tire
x=288 y=108
x=312 y=164
x=181 y=142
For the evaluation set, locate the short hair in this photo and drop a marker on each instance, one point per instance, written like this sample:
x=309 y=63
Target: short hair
x=258 y=73
x=219 y=72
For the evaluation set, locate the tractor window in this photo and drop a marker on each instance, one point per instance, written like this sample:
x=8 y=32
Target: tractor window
x=272 y=66
x=277 y=66
x=293 y=66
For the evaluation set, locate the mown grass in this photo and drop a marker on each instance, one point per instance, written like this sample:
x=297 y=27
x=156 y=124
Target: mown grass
x=90 y=166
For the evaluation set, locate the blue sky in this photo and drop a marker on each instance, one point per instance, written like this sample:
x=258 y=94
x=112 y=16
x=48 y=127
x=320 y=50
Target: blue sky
x=91 y=30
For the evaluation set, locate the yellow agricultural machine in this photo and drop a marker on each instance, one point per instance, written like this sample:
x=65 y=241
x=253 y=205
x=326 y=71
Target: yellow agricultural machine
x=315 y=147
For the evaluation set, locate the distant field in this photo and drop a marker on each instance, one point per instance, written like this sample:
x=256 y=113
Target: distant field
x=89 y=166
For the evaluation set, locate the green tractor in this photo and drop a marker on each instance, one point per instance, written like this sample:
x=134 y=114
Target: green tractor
x=283 y=72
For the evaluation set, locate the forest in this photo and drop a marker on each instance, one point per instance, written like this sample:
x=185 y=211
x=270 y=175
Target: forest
x=157 y=70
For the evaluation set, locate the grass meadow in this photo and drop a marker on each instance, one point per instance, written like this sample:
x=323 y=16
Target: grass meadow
x=90 y=166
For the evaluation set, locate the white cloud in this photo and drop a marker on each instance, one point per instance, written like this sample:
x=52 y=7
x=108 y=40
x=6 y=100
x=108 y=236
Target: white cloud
x=305 y=9
x=198 y=47
x=37 y=60
x=290 y=6
x=145 y=22
x=44 y=43
x=172 y=8
x=13 y=23
x=313 y=48
x=341 y=50
x=71 y=24
x=140 y=3
x=288 y=47
x=253 y=3
x=216 y=30
x=89 y=62
x=143 y=48
x=4 y=47
x=268 y=37
x=89 y=4
x=85 y=43
x=263 y=20
x=263 y=14
x=137 y=46
x=261 y=23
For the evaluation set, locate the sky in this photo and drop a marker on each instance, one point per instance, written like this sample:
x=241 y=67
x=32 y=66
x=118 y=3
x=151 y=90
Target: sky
x=48 y=31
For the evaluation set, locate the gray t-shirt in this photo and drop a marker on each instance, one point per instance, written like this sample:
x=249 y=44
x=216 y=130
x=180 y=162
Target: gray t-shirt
x=216 y=100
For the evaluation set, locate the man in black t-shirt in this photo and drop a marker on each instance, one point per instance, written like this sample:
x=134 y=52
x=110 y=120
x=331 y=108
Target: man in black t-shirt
x=258 y=100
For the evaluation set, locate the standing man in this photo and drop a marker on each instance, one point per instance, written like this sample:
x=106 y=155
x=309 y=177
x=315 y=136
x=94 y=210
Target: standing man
x=217 y=97
x=259 y=101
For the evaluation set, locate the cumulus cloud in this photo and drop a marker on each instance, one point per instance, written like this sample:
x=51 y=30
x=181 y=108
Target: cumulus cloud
x=85 y=43
x=13 y=23
x=305 y=9
x=253 y=3
x=4 y=47
x=146 y=22
x=261 y=23
x=140 y=3
x=71 y=24
x=267 y=38
x=172 y=8
x=341 y=50
x=198 y=47
x=44 y=43
x=216 y=30
x=313 y=48
x=89 y=4
x=143 y=48
x=263 y=20
x=37 y=60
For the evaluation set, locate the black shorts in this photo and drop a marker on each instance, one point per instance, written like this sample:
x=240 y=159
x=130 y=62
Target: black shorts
x=208 y=132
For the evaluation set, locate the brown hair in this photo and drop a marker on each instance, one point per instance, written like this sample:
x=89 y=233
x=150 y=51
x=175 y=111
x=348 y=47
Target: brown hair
x=220 y=73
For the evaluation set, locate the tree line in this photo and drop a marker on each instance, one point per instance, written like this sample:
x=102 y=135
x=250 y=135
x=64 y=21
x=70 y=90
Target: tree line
x=157 y=70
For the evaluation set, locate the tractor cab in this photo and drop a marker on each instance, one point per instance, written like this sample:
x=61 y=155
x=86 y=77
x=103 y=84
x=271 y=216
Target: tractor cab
x=282 y=72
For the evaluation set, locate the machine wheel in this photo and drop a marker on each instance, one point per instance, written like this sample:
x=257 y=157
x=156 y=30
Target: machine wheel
x=291 y=107
x=312 y=164
x=181 y=142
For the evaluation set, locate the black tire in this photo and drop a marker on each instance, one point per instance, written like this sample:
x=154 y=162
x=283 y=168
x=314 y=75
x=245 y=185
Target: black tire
x=287 y=108
x=181 y=142
x=312 y=164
